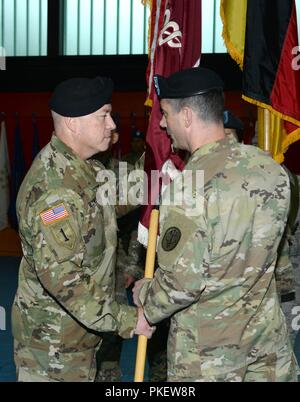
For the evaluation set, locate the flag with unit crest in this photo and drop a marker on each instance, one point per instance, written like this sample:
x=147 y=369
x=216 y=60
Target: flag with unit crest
x=174 y=45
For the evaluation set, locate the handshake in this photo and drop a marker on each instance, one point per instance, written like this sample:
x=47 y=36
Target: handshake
x=142 y=326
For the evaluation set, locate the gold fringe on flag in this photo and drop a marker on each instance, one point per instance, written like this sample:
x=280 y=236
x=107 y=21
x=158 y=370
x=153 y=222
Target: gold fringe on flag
x=234 y=15
x=147 y=3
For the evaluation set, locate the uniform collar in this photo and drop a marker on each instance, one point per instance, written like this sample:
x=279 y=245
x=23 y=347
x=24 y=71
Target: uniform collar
x=62 y=147
x=212 y=147
x=80 y=166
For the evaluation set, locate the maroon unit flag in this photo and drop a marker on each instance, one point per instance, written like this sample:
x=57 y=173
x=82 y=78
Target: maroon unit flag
x=175 y=44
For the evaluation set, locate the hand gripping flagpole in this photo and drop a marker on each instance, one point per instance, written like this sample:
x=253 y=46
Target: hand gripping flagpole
x=149 y=270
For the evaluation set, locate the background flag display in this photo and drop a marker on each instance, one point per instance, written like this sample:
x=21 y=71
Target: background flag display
x=4 y=175
x=270 y=79
x=233 y=15
x=175 y=44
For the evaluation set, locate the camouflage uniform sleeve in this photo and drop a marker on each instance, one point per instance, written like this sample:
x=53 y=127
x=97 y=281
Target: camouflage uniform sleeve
x=179 y=281
x=66 y=272
x=284 y=271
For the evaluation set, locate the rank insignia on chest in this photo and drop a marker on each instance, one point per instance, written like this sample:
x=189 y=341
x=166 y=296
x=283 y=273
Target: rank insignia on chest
x=54 y=214
x=171 y=239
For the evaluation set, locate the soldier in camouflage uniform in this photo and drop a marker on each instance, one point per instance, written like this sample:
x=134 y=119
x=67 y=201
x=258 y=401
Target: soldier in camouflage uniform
x=66 y=297
x=284 y=270
x=217 y=258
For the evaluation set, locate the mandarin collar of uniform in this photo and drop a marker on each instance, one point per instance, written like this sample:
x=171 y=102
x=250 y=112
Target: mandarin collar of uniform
x=79 y=164
x=212 y=147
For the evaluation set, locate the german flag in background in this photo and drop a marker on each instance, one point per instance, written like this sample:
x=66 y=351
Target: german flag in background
x=271 y=79
x=233 y=15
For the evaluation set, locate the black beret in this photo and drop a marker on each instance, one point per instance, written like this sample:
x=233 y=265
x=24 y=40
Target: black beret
x=231 y=121
x=81 y=96
x=186 y=83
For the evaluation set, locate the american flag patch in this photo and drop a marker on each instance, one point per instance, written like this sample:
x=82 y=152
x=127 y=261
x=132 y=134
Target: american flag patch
x=54 y=214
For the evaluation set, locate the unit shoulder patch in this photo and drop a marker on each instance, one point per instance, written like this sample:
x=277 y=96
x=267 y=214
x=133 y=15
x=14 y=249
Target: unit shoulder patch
x=171 y=238
x=64 y=235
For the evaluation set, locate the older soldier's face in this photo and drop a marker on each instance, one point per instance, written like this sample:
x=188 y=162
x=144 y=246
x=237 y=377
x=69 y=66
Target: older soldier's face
x=96 y=130
x=172 y=122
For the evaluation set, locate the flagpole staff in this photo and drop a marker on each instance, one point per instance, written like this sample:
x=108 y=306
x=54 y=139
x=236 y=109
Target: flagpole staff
x=267 y=130
x=149 y=270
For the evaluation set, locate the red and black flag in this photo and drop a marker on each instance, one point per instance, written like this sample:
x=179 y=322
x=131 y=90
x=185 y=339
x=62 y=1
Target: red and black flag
x=271 y=78
x=261 y=35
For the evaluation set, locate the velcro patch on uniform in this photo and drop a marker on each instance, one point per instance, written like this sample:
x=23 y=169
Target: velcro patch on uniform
x=171 y=239
x=54 y=214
